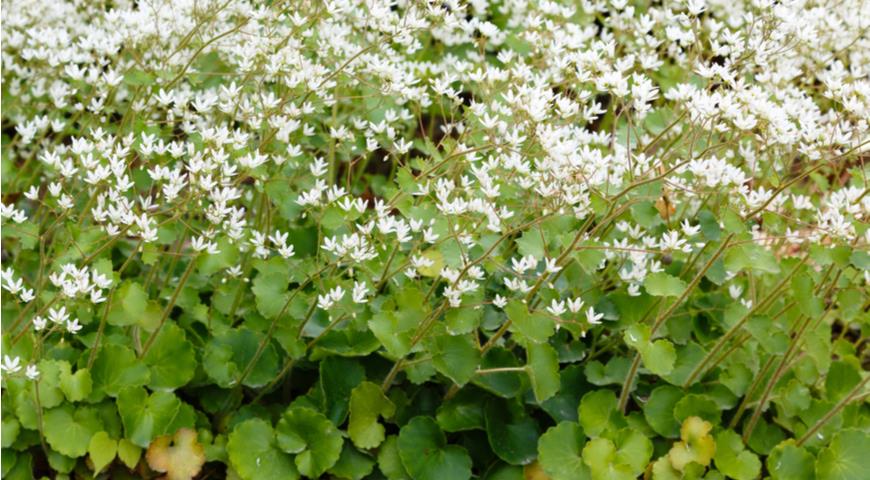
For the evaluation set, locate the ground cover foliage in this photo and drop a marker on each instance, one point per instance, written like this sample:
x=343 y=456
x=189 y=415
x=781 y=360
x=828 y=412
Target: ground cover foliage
x=435 y=239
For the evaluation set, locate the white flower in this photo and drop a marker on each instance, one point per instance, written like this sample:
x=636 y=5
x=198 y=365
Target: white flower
x=575 y=304
x=551 y=266
x=10 y=364
x=499 y=301
x=735 y=291
x=688 y=229
x=327 y=300
x=32 y=372
x=72 y=326
x=525 y=263
x=360 y=290
x=39 y=323
x=593 y=318
x=59 y=315
x=200 y=244
x=517 y=285
x=556 y=307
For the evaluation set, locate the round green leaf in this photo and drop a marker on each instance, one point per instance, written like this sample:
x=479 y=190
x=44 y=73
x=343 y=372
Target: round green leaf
x=512 y=433
x=536 y=327
x=50 y=392
x=102 y=449
x=426 y=455
x=227 y=356
x=660 y=284
x=595 y=411
x=845 y=458
x=733 y=459
x=69 y=430
x=560 y=451
x=116 y=368
x=462 y=412
x=543 y=369
x=146 y=417
x=599 y=455
x=130 y=303
x=455 y=357
x=254 y=454
x=633 y=450
x=312 y=437
x=129 y=453
x=697 y=406
x=367 y=403
x=338 y=377
x=787 y=461
x=659 y=410
x=171 y=359
x=389 y=461
x=75 y=386
x=352 y=464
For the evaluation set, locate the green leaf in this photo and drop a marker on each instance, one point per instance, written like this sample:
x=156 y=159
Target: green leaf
x=709 y=225
x=787 y=461
x=661 y=284
x=129 y=306
x=270 y=286
x=312 y=437
x=75 y=386
x=599 y=455
x=115 y=368
x=145 y=417
x=228 y=354
x=50 y=392
x=171 y=359
x=352 y=464
x=426 y=455
x=560 y=452
x=696 y=445
x=699 y=406
x=595 y=411
x=254 y=454
x=733 y=459
x=845 y=458
x=536 y=327
x=531 y=242
x=506 y=384
x=658 y=356
x=129 y=453
x=395 y=328
x=456 y=357
x=338 y=377
x=367 y=403
x=137 y=78
x=611 y=374
x=10 y=430
x=462 y=320
x=543 y=369
x=69 y=430
x=659 y=410
x=60 y=463
x=102 y=449
x=389 y=461
x=860 y=259
x=512 y=433
x=462 y=412
x=633 y=450
x=751 y=256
